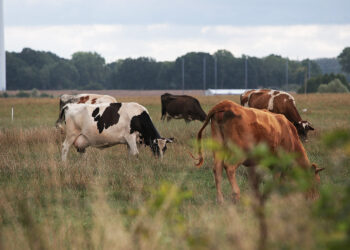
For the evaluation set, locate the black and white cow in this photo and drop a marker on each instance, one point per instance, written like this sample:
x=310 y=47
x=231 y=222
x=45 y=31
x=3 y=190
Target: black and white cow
x=107 y=124
x=82 y=99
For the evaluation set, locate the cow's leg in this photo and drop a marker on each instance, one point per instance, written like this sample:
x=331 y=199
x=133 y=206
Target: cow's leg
x=168 y=118
x=218 y=165
x=71 y=135
x=231 y=175
x=66 y=145
x=132 y=145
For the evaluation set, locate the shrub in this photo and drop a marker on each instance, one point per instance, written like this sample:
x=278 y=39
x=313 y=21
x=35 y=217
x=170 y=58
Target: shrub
x=5 y=95
x=22 y=94
x=35 y=93
x=334 y=86
x=45 y=95
x=314 y=82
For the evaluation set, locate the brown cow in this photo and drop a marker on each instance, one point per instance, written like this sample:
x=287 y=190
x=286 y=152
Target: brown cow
x=246 y=127
x=278 y=102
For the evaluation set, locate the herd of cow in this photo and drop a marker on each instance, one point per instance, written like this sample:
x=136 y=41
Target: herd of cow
x=268 y=116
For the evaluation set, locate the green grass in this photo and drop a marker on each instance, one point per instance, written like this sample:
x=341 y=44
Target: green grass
x=106 y=199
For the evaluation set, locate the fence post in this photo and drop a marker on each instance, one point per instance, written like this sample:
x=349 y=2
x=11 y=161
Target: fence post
x=11 y=113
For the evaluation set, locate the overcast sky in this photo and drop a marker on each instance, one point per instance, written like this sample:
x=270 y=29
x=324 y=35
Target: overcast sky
x=164 y=30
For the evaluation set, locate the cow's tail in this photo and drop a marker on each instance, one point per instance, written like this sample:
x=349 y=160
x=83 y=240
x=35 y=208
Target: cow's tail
x=62 y=117
x=218 y=108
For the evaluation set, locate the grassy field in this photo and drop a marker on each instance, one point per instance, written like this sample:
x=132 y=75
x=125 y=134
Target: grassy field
x=109 y=200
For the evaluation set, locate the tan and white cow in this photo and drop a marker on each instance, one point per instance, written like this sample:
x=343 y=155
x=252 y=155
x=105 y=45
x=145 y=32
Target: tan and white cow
x=278 y=102
x=246 y=127
x=82 y=99
x=107 y=124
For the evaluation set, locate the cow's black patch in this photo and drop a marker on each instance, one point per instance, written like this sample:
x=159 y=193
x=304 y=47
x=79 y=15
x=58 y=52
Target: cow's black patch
x=109 y=117
x=95 y=112
x=143 y=124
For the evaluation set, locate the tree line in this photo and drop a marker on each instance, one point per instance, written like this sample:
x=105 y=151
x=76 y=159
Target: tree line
x=42 y=70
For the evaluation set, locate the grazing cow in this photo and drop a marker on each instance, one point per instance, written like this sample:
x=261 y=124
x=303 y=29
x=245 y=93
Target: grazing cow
x=82 y=98
x=246 y=127
x=181 y=107
x=277 y=102
x=107 y=124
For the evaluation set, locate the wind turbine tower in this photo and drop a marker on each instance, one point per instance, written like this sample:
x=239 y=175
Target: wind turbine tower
x=2 y=50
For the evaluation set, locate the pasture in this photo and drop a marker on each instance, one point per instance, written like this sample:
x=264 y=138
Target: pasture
x=106 y=199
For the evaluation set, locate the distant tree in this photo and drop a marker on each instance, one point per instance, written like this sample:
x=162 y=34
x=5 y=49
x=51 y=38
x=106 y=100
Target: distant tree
x=344 y=59
x=90 y=66
x=335 y=86
x=63 y=75
x=140 y=73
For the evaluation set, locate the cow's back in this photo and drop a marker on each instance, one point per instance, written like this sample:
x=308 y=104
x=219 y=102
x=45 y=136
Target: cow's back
x=182 y=106
x=247 y=127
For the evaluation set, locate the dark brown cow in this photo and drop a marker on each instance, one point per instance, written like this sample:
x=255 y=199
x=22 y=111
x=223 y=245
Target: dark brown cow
x=278 y=102
x=181 y=107
x=246 y=127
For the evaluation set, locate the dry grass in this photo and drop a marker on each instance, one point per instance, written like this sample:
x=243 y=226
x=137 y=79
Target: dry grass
x=108 y=200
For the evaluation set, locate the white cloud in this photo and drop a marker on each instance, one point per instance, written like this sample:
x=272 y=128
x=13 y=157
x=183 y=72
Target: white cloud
x=166 y=41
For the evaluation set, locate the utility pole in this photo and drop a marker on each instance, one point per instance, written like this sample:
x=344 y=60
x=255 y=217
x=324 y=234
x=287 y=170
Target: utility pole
x=2 y=50
x=309 y=70
x=183 y=75
x=215 y=72
x=246 y=73
x=305 y=83
x=204 y=73
x=287 y=74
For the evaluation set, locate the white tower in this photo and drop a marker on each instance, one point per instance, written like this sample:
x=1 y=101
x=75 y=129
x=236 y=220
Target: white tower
x=2 y=50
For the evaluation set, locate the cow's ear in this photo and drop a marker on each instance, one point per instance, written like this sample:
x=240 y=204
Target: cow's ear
x=309 y=126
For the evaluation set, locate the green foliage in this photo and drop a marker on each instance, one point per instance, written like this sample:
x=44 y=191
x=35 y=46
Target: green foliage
x=43 y=70
x=334 y=86
x=269 y=165
x=22 y=94
x=333 y=206
x=92 y=86
x=344 y=59
x=314 y=82
x=4 y=95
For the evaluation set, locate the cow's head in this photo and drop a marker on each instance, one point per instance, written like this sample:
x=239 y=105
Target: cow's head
x=159 y=146
x=303 y=128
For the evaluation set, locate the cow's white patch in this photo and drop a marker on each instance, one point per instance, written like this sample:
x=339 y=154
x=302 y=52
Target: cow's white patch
x=65 y=98
x=273 y=96
x=271 y=100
